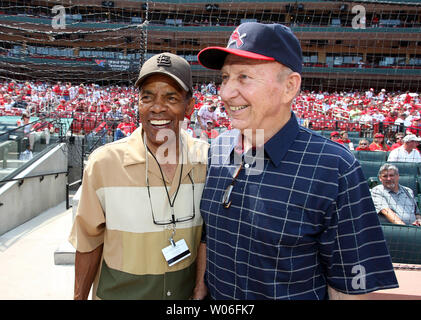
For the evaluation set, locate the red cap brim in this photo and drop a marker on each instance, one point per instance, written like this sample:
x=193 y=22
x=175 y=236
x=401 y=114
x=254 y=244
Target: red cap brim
x=214 y=57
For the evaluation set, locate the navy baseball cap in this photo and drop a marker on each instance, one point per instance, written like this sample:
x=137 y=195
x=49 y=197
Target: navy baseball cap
x=269 y=42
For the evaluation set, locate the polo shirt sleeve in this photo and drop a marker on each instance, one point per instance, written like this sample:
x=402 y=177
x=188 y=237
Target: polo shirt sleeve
x=352 y=246
x=89 y=224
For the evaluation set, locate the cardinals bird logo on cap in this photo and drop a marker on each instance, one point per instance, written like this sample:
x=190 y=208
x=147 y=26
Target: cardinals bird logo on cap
x=237 y=38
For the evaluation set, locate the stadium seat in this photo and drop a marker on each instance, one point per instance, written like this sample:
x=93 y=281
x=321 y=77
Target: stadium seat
x=370 y=168
x=354 y=134
x=403 y=243
x=372 y=156
x=407 y=168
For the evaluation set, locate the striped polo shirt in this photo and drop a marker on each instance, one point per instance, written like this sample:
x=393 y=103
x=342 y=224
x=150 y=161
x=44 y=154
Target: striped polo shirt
x=301 y=218
x=115 y=210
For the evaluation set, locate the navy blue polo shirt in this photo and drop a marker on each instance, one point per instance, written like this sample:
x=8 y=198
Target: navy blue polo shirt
x=301 y=218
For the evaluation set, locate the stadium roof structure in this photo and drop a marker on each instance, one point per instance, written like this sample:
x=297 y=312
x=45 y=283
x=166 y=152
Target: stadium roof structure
x=346 y=45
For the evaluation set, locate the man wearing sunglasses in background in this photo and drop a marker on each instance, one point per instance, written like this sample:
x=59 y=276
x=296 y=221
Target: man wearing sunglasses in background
x=288 y=213
x=138 y=227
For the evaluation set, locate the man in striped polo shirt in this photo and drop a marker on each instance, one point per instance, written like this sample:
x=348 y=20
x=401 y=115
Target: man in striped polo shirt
x=138 y=227
x=288 y=213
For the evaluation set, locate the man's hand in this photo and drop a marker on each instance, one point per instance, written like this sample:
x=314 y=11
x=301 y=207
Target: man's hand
x=200 y=290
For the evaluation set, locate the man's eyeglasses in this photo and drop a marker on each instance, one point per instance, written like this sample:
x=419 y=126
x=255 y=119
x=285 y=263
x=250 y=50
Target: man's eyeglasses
x=363 y=144
x=173 y=219
x=226 y=199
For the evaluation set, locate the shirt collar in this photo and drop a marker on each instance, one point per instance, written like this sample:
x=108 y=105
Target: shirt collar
x=135 y=151
x=277 y=146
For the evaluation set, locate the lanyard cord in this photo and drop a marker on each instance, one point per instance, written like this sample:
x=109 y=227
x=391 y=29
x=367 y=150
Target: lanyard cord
x=163 y=179
x=165 y=184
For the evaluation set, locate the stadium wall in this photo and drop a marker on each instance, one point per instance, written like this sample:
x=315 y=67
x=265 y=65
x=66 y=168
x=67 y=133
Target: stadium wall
x=22 y=202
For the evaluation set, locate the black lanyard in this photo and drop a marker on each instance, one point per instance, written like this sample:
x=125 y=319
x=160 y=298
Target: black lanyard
x=166 y=189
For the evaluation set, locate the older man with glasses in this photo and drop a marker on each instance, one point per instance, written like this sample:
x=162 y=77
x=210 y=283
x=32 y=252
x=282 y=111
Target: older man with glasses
x=288 y=213
x=393 y=201
x=407 y=152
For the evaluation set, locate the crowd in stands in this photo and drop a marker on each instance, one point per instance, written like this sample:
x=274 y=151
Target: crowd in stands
x=392 y=120
x=95 y=107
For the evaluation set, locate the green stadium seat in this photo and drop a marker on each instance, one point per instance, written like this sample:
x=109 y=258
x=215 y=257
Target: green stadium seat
x=354 y=134
x=372 y=156
x=404 y=243
x=407 y=168
x=370 y=168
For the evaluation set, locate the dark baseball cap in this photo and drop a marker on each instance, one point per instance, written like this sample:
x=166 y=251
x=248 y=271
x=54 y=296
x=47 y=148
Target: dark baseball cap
x=169 y=64
x=270 y=42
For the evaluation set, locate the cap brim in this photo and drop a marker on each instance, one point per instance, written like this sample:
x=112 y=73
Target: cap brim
x=140 y=80
x=214 y=57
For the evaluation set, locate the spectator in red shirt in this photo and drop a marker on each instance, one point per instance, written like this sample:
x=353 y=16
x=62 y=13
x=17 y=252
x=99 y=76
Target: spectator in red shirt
x=335 y=136
x=378 y=143
x=343 y=139
x=363 y=145
x=62 y=105
x=210 y=132
x=414 y=128
x=57 y=89
x=389 y=119
x=125 y=128
x=399 y=140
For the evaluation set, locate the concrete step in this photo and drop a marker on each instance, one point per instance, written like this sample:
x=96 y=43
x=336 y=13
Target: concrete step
x=65 y=254
x=12 y=163
x=5 y=172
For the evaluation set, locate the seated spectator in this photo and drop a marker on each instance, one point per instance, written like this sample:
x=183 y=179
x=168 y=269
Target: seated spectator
x=125 y=128
x=62 y=105
x=113 y=117
x=40 y=130
x=186 y=126
x=210 y=132
x=8 y=102
x=343 y=137
x=414 y=128
x=401 y=120
x=114 y=113
x=20 y=103
x=100 y=131
x=408 y=152
x=398 y=140
x=206 y=112
x=335 y=136
x=394 y=201
x=378 y=143
x=363 y=145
